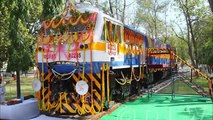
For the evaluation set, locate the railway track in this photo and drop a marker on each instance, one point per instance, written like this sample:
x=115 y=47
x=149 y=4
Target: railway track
x=156 y=87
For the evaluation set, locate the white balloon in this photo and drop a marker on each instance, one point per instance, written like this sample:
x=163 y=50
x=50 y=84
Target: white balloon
x=82 y=87
x=36 y=85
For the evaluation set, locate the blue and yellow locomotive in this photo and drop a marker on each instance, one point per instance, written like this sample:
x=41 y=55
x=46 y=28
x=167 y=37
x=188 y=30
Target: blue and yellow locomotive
x=86 y=59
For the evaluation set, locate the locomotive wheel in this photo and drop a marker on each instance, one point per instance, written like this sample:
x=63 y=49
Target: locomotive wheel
x=134 y=87
x=150 y=78
x=118 y=94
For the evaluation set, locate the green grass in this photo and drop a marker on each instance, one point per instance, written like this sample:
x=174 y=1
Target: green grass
x=26 y=87
x=162 y=107
x=201 y=82
x=182 y=88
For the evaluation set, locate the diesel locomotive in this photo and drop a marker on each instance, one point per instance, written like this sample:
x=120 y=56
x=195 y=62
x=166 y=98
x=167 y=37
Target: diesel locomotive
x=86 y=59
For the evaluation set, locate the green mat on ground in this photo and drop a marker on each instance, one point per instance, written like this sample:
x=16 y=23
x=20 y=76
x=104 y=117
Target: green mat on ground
x=162 y=107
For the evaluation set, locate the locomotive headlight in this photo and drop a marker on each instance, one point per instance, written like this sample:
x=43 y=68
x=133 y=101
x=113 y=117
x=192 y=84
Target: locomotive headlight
x=84 y=46
x=81 y=46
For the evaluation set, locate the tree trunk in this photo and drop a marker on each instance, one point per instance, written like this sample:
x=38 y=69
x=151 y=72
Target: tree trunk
x=190 y=35
x=155 y=19
x=116 y=9
x=193 y=41
x=18 y=86
x=111 y=8
x=189 y=40
x=124 y=9
x=191 y=53
x=190 y=45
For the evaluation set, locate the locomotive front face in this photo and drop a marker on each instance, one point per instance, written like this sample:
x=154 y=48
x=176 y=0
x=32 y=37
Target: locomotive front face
x=64 y=60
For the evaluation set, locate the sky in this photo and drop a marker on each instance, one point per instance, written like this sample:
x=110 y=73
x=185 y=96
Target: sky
x=172 y=14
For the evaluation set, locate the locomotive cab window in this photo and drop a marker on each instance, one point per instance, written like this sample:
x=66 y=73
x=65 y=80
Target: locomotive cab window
x=119 y=33
x=77 y=28
x=111 y=32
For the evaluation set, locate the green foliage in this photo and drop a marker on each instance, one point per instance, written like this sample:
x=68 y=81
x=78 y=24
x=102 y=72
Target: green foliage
x=148 y=16
x=206 y=53
x=180 y=45
x=19 y=20
x=18 y=23
x=20 y=51
x=204 y=35
x=198 y=31
x=203 y=31
x=20 y=54
x=208 y=49
x=4 y=41
x=51 y=8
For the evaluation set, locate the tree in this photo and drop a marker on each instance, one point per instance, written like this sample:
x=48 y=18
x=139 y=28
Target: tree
x=4 y=40
x=211 y=4
x=20 y=51
x=23 y=14
x=204 y=35
x=148 y=16
x=193 y=11
x=19 y=20
x=51 y=8
x=115 y=8
x=180 y=45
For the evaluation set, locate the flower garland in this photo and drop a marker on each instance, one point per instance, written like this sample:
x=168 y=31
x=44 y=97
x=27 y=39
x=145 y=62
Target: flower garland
x=73 y=20
x=60 y=39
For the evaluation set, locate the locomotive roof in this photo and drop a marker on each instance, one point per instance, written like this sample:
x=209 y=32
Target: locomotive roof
x=131 y=28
